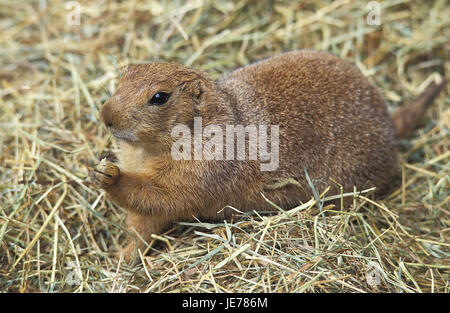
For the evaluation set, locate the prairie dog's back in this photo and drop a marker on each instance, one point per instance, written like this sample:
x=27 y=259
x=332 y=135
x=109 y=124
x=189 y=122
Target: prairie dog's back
x=332 y=120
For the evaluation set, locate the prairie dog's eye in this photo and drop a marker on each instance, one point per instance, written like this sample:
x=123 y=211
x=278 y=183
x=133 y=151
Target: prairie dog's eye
x=159 y=98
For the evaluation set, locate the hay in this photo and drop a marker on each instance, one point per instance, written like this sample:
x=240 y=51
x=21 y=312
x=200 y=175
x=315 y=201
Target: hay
x=58 y=234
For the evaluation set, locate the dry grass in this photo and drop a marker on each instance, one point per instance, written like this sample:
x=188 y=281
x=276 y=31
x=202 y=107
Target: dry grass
x=59 y=234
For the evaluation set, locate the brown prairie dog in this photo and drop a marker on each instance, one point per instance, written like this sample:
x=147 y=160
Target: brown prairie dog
x=328 y=118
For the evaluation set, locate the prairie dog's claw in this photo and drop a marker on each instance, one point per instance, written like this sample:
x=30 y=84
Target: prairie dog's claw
x=105 y=174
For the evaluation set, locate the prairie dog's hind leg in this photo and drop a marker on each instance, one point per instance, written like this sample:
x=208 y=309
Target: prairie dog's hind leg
x=145 y=226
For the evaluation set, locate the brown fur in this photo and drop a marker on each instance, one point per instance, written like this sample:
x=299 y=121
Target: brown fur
x=407 y=117
x=333 y=123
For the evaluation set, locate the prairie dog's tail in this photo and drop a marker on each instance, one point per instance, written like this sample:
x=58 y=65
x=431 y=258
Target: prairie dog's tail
x=409 y=115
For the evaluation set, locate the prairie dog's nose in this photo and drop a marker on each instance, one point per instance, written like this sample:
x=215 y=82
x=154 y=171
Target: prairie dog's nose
x=106 y=114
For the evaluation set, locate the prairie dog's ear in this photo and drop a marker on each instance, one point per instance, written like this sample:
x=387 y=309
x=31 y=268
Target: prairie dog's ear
x=196 y=88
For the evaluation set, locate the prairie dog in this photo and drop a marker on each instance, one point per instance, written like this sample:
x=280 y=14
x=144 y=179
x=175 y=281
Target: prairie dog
x=330 y=122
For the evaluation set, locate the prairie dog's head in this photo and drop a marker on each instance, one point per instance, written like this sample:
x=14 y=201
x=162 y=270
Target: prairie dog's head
x=151 y=99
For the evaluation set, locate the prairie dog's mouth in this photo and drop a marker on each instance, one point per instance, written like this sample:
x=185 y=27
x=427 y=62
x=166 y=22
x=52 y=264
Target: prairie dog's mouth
x=123 y=135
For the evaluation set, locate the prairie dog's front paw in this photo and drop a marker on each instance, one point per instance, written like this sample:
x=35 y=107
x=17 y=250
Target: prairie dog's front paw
x=105 y=174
